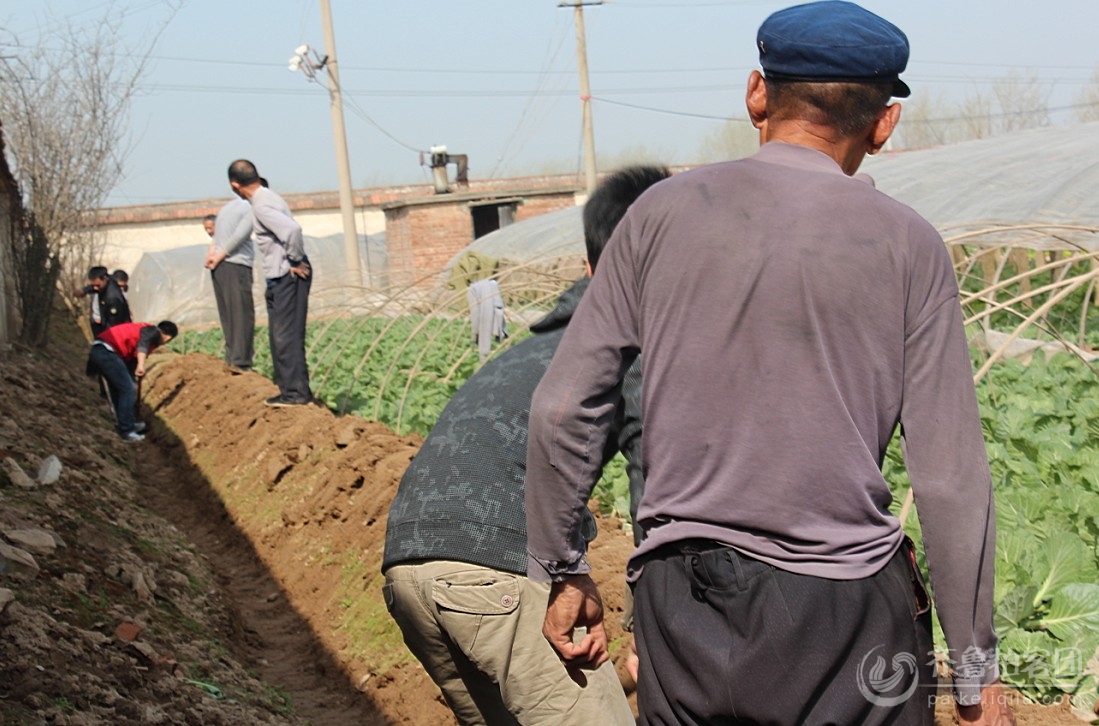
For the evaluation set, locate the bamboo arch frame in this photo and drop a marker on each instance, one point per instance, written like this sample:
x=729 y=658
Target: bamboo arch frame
x=1048 y=253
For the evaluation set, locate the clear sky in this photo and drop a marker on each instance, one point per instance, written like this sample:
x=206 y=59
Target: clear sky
x=497 y=79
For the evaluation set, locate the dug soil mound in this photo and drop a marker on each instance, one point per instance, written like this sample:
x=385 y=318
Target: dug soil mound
x=225 y=571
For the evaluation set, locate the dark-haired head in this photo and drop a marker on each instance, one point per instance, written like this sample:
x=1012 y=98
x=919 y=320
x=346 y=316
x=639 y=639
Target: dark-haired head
x=243 y=172
x=99 y=272
x=168 y=329
x=849 y=108
x=609 y=202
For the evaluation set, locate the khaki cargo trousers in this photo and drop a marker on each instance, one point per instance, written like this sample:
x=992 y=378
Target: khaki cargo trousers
x=478 y=633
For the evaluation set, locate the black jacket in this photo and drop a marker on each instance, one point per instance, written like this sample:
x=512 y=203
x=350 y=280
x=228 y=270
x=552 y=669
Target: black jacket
x=113 y=308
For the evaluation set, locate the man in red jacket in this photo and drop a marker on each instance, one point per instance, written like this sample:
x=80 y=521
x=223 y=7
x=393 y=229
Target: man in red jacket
x=118 y=354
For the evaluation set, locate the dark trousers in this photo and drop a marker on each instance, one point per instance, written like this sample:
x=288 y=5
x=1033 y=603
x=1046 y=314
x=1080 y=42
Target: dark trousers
x=233 y=293
x=726 y=639
x=120 y=385
x=287 y=308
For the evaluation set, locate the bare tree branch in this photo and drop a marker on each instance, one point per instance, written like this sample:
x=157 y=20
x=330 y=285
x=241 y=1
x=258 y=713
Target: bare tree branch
x=66 y=104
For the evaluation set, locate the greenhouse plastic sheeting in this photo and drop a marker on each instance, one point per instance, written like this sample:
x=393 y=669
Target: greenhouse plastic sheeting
x=173 y=284
x=548 y=235
x=1041 y=175
x=1048 y=175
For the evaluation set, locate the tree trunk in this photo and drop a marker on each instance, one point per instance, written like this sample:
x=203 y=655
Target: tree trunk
x=37 y=271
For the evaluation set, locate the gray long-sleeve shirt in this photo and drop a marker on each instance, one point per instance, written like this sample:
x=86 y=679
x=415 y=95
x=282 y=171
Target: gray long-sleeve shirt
x=278 y=235
x=233 y=232
x=788 y=318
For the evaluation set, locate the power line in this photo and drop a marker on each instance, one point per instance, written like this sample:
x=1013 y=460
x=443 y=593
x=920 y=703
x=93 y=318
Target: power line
x=358 y=111
x=437 y=93
x=603 y=72
x=550 y=57
x=685 y=114
x=907 y=121
x=54 y=24
x=678 y=5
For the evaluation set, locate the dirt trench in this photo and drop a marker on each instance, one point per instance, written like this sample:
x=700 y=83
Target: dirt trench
x=289 y=506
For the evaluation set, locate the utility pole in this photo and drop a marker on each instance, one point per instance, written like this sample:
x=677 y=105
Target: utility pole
x=347 y=205
x=585 y=90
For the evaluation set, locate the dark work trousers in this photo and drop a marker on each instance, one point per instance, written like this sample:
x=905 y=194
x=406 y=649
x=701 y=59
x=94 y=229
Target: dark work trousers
x=726 y=639
x=287 y=308
x=120 y=384
x=233 y=292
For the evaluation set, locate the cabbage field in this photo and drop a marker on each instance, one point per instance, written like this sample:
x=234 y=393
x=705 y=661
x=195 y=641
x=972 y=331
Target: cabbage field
x=1040 y=414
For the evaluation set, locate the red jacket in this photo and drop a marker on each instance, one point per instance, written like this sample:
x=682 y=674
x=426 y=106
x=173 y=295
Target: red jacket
x=124 y=339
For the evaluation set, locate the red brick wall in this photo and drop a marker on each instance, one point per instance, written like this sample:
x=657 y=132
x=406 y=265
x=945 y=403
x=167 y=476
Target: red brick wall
x=398 y=240
x=422 y=238
x=537 y=206
x=438 y=233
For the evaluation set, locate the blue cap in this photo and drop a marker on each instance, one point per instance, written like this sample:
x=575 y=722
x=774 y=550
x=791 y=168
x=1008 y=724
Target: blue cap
x=833 y=41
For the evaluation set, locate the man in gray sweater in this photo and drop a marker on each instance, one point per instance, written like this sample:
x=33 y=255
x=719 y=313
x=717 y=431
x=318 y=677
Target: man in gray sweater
x=229 y=261
x=788 y=317
x=289 y=277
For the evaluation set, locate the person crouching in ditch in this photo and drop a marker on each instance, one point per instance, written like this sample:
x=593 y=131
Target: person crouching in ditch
x=118 y=355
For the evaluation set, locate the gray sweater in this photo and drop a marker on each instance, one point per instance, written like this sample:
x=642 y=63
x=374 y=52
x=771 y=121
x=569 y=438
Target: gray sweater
x=233 y=232
x=790 y=317
x=278 y=235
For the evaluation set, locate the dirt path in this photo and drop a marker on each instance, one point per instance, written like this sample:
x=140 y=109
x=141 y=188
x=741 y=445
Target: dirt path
x=306 y=494
x=281 y=646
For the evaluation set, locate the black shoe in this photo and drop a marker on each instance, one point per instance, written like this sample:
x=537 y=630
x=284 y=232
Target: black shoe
x=281 y=401
x=237 y=370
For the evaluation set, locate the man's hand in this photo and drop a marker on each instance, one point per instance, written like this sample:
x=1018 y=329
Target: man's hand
x=575 y=603
x=302 y=270
x=214 y=258
x=633 y=661
x=991 y=711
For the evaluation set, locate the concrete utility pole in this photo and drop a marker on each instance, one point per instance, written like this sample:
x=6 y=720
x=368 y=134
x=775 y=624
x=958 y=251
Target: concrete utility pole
x=347 y=205
x=585 y=90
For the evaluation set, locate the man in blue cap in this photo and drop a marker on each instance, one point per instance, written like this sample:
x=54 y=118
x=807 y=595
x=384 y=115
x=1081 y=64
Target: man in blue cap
x=788 y=317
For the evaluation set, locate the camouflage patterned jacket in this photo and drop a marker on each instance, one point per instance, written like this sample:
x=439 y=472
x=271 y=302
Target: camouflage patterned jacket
x=462 y=496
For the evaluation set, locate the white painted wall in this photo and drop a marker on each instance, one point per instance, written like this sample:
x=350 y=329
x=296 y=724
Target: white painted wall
x=124 y=244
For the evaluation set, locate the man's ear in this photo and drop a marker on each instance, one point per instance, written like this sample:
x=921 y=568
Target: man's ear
x=756 y=100
x=883 y=128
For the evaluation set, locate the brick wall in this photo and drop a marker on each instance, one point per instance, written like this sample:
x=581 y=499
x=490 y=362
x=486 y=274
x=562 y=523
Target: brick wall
x=438 y=233
x=424 y=234
x=398 y=240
